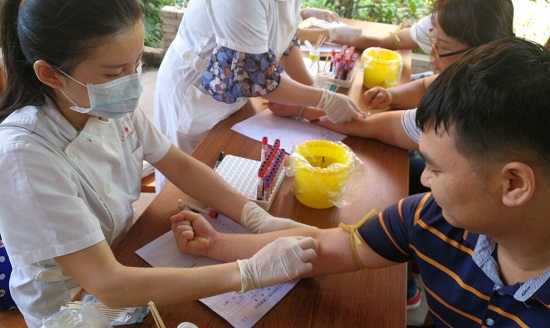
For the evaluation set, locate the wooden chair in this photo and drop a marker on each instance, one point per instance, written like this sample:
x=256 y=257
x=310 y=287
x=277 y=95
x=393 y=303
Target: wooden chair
x=148 y=183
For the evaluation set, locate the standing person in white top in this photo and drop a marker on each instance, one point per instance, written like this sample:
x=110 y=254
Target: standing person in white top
x=72 y=146
x=225 y=52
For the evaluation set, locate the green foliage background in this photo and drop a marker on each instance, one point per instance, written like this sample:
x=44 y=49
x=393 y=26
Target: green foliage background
x=529 y=25
x=382 y=11
x=153 y=29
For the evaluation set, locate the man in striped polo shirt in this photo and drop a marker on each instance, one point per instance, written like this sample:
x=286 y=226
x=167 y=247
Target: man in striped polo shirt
x=481 y=238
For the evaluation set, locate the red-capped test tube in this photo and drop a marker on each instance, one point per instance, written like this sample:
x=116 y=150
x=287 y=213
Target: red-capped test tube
x=264 y=149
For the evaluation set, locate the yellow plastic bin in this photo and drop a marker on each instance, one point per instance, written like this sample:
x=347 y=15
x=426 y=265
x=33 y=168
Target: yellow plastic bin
x=382 y=67
x=321 y=171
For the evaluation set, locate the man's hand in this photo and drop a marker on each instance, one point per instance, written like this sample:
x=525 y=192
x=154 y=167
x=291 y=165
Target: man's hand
x=194 y=235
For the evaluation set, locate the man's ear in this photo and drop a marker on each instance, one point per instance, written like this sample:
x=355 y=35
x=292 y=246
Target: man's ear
x=48 y=75
x=518 y=183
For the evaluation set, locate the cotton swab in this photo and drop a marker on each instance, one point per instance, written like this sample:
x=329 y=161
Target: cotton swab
x=156 y=315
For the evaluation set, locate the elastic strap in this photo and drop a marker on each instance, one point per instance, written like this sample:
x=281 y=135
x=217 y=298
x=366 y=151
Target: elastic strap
x=354 y=239
x=394 y=36
x=301 y=112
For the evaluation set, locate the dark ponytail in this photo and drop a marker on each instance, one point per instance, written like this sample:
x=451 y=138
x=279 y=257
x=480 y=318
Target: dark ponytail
x=17 y=71
x=61 y=32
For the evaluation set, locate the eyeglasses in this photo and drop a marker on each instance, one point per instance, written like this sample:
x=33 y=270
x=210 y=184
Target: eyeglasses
x=448 y=54
x=438 y=55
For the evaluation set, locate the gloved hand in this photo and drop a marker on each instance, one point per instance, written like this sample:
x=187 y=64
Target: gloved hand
x=343 y=33
x=257 y=220
x=339 y=108
x=323 y=14
x=282 y=260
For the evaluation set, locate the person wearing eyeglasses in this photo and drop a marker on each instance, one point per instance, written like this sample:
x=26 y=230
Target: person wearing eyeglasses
x=458 y=25
x=480 y=238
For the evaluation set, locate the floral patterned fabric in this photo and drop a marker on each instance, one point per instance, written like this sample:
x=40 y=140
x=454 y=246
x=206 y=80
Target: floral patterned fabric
x=232 y=74
x=294 y=43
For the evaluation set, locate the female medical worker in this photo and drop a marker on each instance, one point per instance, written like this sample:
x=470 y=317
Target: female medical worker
x=71 y=149
x=226 y=51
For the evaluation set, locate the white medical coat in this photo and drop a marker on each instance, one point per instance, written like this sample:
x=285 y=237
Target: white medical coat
x=183 y=110
x=63 y=191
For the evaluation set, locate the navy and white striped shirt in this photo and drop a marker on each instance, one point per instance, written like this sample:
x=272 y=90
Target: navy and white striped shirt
x=460 y=274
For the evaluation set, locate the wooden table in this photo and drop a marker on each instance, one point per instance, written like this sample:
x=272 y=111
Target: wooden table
x=374 y=298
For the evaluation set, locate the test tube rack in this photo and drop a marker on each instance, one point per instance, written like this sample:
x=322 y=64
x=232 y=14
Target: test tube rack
x=328 y=77
x=242 y=174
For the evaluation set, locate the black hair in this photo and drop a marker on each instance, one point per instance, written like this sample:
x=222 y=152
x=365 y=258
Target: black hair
x=61 y=32
x=475 y=22
x=495 y=102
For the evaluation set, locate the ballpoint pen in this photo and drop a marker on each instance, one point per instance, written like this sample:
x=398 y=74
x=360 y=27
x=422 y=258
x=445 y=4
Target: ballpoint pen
x=211 y=213
x=220 y=158
x=319 y=119
x=183 y=206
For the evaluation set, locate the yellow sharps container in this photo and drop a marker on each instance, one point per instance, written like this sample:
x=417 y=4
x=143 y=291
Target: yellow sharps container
x=382 y=67
x=321 y=171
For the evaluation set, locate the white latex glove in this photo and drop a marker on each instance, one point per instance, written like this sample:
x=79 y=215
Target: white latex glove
x=257 y=220
x=339 y=108
x=323 y=14
x=282 y=260
x=344 y=33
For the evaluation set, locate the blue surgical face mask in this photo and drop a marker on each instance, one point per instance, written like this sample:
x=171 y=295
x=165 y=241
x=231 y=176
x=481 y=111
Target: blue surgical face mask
x=112 y=99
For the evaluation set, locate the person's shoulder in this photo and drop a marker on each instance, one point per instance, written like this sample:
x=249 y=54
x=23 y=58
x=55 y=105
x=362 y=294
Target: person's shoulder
x=21 y=121
x=21 y=130
x=423 y=202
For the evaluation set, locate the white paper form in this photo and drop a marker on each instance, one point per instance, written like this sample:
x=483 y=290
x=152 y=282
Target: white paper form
x=240 y=310
x=287 y=129
x=325 y=48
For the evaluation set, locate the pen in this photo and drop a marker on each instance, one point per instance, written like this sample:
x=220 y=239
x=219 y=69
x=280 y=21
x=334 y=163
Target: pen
x=320 y=119
x=211 y=213
x=220 y=158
